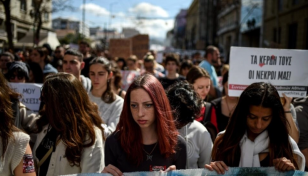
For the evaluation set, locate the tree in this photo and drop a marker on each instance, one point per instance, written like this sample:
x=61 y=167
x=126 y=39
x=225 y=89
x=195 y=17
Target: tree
x=73 y=38
x=40 y=8
x=9 y=34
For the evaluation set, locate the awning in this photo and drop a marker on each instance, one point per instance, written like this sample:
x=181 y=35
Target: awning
x=45 y=37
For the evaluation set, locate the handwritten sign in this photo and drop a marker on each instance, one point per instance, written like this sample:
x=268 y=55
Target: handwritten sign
x=285 y=69
x=30 y=94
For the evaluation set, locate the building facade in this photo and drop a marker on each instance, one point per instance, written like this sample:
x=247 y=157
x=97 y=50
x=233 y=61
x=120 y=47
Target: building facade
x=228 y=25
x=179 y=30
x=69 y=24
x=201 y=24
x=21 y=20
x=285 y=24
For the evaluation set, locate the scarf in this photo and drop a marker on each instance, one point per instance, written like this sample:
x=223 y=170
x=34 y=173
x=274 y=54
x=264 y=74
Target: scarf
x=250 y=150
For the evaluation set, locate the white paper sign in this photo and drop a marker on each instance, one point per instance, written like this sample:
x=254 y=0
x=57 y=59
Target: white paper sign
x=30 y=94
x=286 y=69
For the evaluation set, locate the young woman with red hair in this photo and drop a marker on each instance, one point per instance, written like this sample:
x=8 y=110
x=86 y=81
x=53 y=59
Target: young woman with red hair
x=146 y=138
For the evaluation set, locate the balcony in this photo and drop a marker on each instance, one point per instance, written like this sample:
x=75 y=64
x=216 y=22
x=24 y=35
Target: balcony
x=227 y=10
x=228 y=27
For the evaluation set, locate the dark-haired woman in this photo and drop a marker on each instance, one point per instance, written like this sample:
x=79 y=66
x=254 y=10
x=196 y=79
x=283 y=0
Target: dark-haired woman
x=257 y=134
x=201 y=81
x=146 y=138
x=185 y=67
x=15 y=152
x=116 y=81
x=40 y=55
x=186 y=106
x=224 y=107
x=109 y=104
x=70 y=135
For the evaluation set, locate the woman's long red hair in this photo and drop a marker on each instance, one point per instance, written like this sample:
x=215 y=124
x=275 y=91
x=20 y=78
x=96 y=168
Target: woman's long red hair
x=129 y=131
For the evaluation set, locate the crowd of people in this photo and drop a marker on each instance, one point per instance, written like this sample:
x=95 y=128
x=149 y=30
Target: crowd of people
x=171 y=115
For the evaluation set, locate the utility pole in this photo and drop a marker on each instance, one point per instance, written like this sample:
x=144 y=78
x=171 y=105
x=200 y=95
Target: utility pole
x=84 y=18
x=110 y=15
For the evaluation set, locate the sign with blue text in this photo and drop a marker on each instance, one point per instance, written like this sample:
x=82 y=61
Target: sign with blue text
x=30 y=94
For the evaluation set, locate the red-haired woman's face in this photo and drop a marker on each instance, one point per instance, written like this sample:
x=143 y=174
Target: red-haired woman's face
x=142 y=108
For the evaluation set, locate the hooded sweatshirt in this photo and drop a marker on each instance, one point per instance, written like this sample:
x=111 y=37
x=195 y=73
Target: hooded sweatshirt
x=199 y=144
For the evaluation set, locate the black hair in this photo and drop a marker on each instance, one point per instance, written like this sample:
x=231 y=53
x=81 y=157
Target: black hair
x=224 y=80
x=172 y=57
x=184 y=101
x=74 y=52
x=19 y=72
x=257 y=94
x=8 y=54
x=84 y=43
x=120 y=59
x=43 y=52
x=37 y=72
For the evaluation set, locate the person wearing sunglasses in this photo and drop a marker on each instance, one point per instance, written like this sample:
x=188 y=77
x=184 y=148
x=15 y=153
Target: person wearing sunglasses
x=18 y=72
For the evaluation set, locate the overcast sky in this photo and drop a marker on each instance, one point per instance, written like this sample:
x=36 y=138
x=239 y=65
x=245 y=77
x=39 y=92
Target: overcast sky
x=161 y=12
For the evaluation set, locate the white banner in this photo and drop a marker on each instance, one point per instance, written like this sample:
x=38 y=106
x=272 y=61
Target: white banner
x=233 y=171
x=30 y=94
x=286 y=69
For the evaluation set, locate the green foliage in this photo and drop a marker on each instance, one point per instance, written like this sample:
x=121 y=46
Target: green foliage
x=73 y=38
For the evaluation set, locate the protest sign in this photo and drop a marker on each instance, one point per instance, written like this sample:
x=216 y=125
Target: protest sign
x=266 y=171
x=285 y=69
x=128 y=76
x=30 y=94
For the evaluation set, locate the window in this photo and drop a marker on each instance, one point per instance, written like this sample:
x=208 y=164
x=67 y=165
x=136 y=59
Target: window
x=46 y=16
x=277 y=35
x=306 y=34
x=295 y=2
x=280 y=5
x=23 y=5
x=292 y=36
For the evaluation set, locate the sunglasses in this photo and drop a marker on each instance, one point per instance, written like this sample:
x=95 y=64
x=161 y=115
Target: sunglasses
x=19 y=77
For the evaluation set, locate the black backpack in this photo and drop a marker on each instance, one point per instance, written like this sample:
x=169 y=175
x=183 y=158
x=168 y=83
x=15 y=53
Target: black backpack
x=207 y=121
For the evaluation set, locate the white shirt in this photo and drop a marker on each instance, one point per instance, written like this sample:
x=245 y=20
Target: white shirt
x=109 y=113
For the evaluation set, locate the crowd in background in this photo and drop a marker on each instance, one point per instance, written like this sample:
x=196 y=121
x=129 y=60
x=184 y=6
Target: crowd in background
x=108 y=114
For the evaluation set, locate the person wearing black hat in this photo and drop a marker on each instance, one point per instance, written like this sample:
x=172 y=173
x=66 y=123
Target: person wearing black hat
x=18 y=72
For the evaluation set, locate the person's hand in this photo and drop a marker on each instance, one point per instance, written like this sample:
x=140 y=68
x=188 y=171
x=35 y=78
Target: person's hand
x=287 y=104
x=170 y=168
x=219 y=166
x=283 y=164
x=112 y=170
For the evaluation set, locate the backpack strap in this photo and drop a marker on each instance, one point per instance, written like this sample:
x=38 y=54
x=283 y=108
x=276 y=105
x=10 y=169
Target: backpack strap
x=39 y=164
x=207 y=121
x=207 y=114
